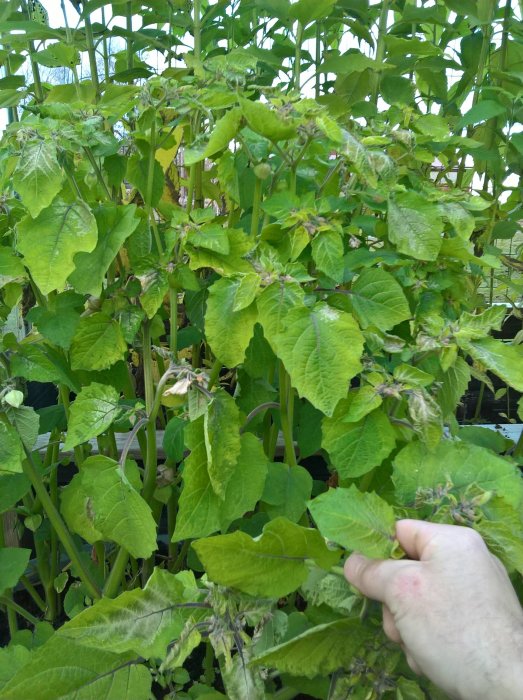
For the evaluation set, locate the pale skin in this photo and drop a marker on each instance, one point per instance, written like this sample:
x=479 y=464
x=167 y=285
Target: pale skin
x=451 y=607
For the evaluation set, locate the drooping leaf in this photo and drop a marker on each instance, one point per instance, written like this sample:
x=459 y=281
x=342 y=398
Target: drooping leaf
x=456 y=465
x=415 y=226
x=155 y=285
x=173 y=439
x=60 y=668
x=100 y=502
x=222 y=440
x=355 y=448
x=287 y=490
x=143 y=621
x=321 y=349
x=228 y=331
x=462 y=220
x=38 y=175
x=27 y=422
x=13 y=563
x=480 y=112
x=115 y=225
x=201 y=511
x=327 y=252
x=11 y=449
x=13 y=487
x=97 y=344
x=504 y=360
x=42 y=363
x=306 y=11
x=378 y=299
x=224 y=131
x=320 y=650
x=92 y=412
x=59 y=320
x=454 y=383
x=358 y=521
x=272 y=565
x=267 y=122
x=50 y=242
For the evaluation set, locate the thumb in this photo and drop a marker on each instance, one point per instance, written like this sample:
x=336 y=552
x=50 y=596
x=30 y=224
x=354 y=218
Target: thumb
x=370 y=576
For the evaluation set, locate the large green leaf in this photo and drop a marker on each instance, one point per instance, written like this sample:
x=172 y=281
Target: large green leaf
x=11 y=267
x=321 y=349
x=274 y=303
x=287 y=490
x=327 y=252
x=50 y=242
x=504 y=360
x=97 y=344
x=228 y=331
x=378 y=300
x=272 y=565
x=144 y=621
x=356 y=448
x=224 y=131
x=13 y=563
x=306 y=11
x=222 y=440
x=267 y=122
x=58 y=321
x=359 y=403
x=320 y=650
x=415 y=226
x=454 y=383
x=92 y=412
x=155 y=285
x=115 y=225
x=455 y=465
x=355 y=520
x=201 y=512
x=61 y=669
x=38 y=175
x=100 y=502
x=39 y=362
x=13 y=487
x=11 y=449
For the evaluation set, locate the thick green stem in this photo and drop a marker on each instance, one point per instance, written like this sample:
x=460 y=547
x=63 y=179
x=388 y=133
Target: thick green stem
x=37 y=598
x=214 y=374
x=39 y=93
x=7 y=597
x=15 y=608
x=129 y=27
x=115 y=578
x=149 y=481
x=256 y=207
x=296 y=82
x=286 y=414
x=380 y=48
x=91 y=53
x=59 y=526
x=173 y=323
x=317 y=77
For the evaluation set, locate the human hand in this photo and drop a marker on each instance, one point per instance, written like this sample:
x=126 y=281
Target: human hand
x=451 y=607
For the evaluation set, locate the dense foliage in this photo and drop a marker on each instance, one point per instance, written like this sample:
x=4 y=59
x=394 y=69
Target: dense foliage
x=259 y=302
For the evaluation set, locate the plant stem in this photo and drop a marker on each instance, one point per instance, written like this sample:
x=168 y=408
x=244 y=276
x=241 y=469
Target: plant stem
x=7 y=597
x=115 y=578
x=39 y=93
x=317 y=83
x=296 y=82
x=380 y=47
x=129 y=27
x=37 y=598
x=15 y=608
x=149 y=482
x=214 y=374
x=286 y=413
x=58 y=524
x=256 y=204
x=91 y=53
x=173 y=323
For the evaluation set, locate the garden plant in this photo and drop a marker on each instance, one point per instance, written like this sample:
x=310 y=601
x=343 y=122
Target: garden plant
x=249 y=250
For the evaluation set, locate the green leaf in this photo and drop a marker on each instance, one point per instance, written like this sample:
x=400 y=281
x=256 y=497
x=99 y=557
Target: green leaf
x=51 y=240
x=228 y=331
x=92 y=412
x=57 y=55
x=101 y=503
x=504 y=360
x=327 y=253
x=480 y=112
x=40 y=363
x=230 y=264
x=397 y=90
x=457 y=463
x=212 y=237
x=58 y=321
x=241 y=681
x=358 y=521
x=115 y=225
x=411 y=376
x=222 y=440
x=271 y=565
x=246 y=291
x=201 y=511
x=306 y=11
x=144 y=621
x=356 y=448
x=27 y=423
x=60 y=668
x=318 y=651
x=13 y=487
x=274 y=303
x=97 y=344
x=485 y=437
x=358 y=156
x=38 y=175
x=173 y=439
x=13 y=563
x=454 y=383
x=504 y=539
x=267 y=122
x=462 y=220
x=415 y=226
x=321 y=349
x=358 y=404
x=378 y=300
x=11 y=267
x=138 y=175
x=325 y=588
x=155 y=285
x=479 y=325
x=287 y=490
x=11 y=449
x=224 y=131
